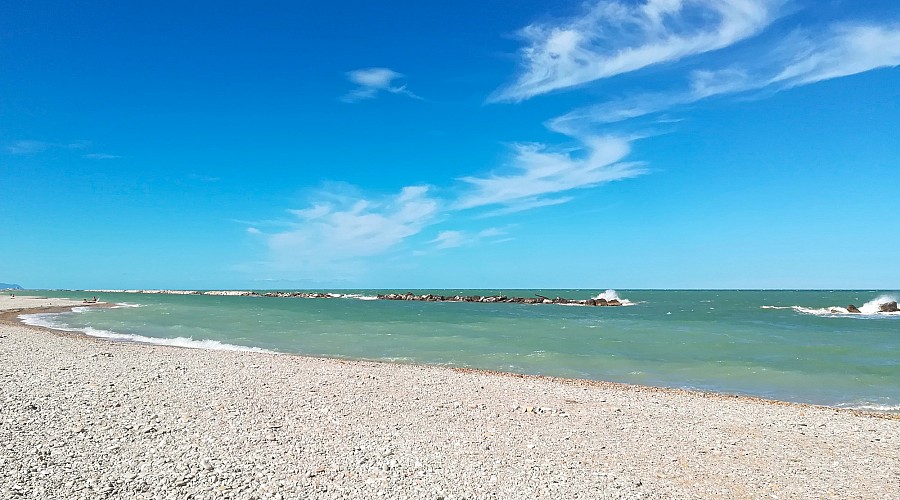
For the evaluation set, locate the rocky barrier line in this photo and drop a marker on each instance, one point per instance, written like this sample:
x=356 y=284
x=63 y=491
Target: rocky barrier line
x=487 y=299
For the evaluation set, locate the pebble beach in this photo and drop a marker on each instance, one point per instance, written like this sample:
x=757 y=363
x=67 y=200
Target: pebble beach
x=88 y=418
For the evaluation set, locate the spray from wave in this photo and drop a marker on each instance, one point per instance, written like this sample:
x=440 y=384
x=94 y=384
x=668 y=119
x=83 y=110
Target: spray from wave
x=874 y=306
x=612 y=295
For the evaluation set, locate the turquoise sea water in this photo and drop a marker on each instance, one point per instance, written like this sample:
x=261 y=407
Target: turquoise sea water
x=785 y=345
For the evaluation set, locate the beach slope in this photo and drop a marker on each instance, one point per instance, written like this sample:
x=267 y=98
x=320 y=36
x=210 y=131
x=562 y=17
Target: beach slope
x=85 y=418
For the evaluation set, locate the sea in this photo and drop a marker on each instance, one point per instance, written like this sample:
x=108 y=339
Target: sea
x=790 y=345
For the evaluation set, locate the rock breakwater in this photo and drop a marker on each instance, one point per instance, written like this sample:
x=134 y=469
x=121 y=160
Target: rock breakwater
x=485 y=299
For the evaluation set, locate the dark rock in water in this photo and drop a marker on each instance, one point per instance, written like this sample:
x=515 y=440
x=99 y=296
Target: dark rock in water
x=853 y=309
x=602 y=302
x=889 y=307
x=613 y=302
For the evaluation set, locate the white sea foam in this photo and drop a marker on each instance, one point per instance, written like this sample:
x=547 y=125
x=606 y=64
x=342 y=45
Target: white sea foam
x=612 y=295
x=871 y=407
x=125 y=304
x=357 y=296
x=50 y=321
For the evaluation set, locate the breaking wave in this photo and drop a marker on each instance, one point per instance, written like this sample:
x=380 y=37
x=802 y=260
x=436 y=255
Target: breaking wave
x=870 y=309
x=51 y=321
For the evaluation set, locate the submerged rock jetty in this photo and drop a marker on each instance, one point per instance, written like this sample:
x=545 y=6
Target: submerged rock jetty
x=538 y=299
x=487 y=299
x=889 y=307
x=885 y=307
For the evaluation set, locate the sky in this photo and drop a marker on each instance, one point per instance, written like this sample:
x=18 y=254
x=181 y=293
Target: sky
x=489 y=144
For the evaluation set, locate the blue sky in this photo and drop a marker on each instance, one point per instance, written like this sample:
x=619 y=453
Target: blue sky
x=625 y=144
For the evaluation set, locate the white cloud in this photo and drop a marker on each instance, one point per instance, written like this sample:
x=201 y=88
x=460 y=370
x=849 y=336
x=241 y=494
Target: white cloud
x=327 y=233
x=612 y=38
x=372 y=81
x=537 y=170
x=253 y=230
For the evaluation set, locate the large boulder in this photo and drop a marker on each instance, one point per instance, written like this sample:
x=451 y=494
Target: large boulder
x=852 y=309
x=889 y=307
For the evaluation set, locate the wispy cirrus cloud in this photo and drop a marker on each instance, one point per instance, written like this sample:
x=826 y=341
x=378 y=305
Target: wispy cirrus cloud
x=372 y=81
x=802 y=58
x=613 y=38
x=340 y=229
x=538 y=170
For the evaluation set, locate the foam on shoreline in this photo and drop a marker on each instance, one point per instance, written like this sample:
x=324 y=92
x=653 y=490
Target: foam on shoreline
x=48 y=320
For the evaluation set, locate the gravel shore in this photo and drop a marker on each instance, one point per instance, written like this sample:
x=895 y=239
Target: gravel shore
x=85 y=418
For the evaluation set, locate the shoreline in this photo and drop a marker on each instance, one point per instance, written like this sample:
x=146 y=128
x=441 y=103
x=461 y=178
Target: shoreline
x=11 y=317
x=102 y=418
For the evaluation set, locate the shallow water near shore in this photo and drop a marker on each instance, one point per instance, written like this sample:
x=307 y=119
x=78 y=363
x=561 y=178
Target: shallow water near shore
x=784 y=345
